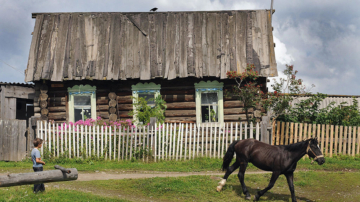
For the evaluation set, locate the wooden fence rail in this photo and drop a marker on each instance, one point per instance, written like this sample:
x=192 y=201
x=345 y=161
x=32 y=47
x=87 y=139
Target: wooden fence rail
x=332 y=139
x=165 y=142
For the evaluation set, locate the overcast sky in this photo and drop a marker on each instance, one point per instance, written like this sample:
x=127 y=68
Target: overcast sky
x=321 y=38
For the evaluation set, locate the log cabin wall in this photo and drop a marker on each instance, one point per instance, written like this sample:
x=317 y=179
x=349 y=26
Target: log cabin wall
x=179 y=95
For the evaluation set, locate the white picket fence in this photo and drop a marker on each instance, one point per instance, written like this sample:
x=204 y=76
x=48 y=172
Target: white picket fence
x=165 y=142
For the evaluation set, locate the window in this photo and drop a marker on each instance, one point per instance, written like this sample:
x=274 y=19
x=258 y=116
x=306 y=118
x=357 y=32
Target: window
x=82 y=103
x=209 y=102
x=147 y=91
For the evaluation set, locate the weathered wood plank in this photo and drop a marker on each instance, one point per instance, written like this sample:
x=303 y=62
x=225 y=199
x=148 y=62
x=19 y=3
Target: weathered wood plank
x=225 y=52
x=177 y=42
x=59 y=52
x=197 y=44
x=205 y=46
x=123 y=55
x=249 y=39
x=145 y=73
x=106 y=70
x=67 y=58
x=180 y=113
x=178 y=98
x=136 y=47
x=153 y=45
x=19 y=92
x=240 y=55
x=57 y=109
x=170 y=70
x=180 y=120
x=211 y=37
x=181 y=105
x=124 y=114
x=233 y=104
x=129 y=45
x=113 y=63
x=45 y=40
x=240 y=117
x=102 y=44
x=34 y=49
x=217 y=45
x=228 y=111
x=190 y=46
x=232 y=40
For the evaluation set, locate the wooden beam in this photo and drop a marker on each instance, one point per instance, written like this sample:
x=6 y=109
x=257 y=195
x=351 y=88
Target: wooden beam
x=37 y=177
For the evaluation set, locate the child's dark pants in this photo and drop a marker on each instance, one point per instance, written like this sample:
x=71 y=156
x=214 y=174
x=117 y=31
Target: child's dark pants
x=38 y=187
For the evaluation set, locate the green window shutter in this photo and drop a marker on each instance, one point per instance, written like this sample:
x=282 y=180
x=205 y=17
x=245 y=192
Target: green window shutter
x=209 y=87
x=79 y=90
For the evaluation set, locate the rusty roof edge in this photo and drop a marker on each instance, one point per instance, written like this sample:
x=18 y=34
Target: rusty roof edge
x=224 y=11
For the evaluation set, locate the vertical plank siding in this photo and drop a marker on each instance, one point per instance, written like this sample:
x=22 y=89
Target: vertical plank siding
x=333 y=140
x=118 y=46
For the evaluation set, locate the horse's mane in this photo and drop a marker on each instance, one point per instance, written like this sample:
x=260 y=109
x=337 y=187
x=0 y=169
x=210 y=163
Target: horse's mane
x=297 y=146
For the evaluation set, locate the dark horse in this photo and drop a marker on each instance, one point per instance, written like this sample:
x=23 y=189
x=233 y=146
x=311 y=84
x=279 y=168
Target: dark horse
x=280 y=159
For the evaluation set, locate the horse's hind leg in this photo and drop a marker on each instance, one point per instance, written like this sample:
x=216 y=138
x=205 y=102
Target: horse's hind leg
x=273 y=179
x=229 y=170
x=241 y=176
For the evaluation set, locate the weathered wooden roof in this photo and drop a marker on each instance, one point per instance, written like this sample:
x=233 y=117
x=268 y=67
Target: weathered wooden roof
x=119 y=46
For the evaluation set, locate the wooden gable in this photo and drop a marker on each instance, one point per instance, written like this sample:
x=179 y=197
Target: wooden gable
x=169 y=45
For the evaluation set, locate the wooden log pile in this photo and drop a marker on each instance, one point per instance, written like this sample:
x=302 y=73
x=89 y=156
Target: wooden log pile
x=62 y=174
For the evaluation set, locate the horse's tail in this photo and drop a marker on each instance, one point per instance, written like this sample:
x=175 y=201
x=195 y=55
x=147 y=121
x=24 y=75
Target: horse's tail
x=229 y=155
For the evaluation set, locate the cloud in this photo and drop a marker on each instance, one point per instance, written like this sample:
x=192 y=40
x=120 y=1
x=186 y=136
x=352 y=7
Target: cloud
x=321 y=38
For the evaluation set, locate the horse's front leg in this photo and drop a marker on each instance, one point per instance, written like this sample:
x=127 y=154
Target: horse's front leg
x=229 y=170
x=241 y=177
x=273 y=179
x=290 y=180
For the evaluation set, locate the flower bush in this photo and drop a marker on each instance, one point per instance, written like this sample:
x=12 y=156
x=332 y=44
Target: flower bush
x=247 y=89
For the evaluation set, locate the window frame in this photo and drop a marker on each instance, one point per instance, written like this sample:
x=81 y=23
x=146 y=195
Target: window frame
x=139 y=88
x=82 y=90
x=209 y=87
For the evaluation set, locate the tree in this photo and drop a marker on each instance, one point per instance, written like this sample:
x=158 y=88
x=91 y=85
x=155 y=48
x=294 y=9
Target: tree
x=279 y=102
x=247 y=89
x=144 y=112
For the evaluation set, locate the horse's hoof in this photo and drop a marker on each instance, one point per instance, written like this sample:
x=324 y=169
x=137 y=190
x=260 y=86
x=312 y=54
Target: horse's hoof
x=248 y=198
x=218 y=188
x=256 y=198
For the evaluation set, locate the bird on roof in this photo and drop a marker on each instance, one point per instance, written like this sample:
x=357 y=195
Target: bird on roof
x=153 y=9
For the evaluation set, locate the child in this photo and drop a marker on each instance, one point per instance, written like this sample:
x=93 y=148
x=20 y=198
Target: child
x=37 y=162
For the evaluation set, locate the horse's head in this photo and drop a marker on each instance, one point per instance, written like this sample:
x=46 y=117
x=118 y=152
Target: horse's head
x=314 y=151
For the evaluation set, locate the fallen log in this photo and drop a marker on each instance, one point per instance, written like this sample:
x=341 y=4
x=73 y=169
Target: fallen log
x=38 y=177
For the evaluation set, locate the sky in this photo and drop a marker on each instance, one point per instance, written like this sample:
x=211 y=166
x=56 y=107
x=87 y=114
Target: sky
x=321 y=38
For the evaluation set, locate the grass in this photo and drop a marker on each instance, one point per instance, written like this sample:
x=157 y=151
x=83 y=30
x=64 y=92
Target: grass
x=24 y=193
x=199 y=164
x=309 y=186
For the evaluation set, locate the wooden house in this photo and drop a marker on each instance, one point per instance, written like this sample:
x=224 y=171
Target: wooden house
x=90 y=64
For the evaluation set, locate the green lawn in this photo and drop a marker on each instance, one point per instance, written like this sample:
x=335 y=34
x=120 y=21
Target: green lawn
x=25 y=193
x=309 y=186
x=197 y=165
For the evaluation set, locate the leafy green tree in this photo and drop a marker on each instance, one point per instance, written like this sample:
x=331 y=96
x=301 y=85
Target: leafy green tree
x=278 y=103
x=144 y=111
x=340 y=115
x=247 y=89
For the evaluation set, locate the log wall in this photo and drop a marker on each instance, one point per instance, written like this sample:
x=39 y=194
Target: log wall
x=179 y=95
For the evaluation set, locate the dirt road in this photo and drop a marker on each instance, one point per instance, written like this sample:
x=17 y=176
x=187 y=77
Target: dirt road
x=136 y=175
